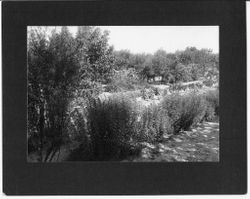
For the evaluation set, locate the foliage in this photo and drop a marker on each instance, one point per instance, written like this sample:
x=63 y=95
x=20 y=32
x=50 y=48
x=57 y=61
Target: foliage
x=124 y=80
x=132 y=95
x=160 y=63
x=110 y=128
x=53 y=78
x=123 y=59
x=147 y=93
x=181 y=66
x=212 y=102
x=60 y=68
x=153 y=124
x=194 y=71
x=175 y=87
x=208 y=82
x=114 y=128
x=184 y=111
x=67 y=74
x=95 y=55
x=156 y=91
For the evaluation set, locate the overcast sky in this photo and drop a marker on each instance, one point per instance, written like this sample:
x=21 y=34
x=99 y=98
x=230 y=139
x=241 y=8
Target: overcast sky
x=148 y=39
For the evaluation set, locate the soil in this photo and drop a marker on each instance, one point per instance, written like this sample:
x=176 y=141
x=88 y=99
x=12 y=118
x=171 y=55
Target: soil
x=201 y=144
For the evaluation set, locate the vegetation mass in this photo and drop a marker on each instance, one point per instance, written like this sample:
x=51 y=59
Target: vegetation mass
x=87 y=101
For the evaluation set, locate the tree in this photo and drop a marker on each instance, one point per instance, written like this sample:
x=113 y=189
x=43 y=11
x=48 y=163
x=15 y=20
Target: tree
x=53 y=73
x=201 y=63
x=194 y=71
x=96 y=56
x=160 y=63
x=123 y=59
x=181 y=73
x=146 y=71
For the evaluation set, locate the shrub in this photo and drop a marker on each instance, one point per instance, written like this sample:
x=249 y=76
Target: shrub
x=166 y=91
x=212 y=102
x=153 y=124
x=184 y=111
x=114 y=128
x=156 y=91
x=110 y=127
x=147 y=93
x=132 y=95
x=175 y=87
x=112 y=88
x=208 y=82
x=123 y=80
x=209 y=113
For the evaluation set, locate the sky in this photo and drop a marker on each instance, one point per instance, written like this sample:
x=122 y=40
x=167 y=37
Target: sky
x=148 y=39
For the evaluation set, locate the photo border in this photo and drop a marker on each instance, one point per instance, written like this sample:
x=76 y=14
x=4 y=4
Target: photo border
x=228 y=176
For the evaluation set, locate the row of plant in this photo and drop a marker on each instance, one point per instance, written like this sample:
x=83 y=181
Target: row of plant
x=116 y=128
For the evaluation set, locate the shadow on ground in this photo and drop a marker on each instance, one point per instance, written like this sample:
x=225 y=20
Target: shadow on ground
x=201 y=144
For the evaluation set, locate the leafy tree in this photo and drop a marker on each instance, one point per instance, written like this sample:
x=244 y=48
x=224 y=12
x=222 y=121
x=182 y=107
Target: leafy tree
x=194 y=71
x=123 y=59
x=160 y=62
x=137 y=61
x=147 y=71
x=53 y=76
x=95 y=54
x=181 y=73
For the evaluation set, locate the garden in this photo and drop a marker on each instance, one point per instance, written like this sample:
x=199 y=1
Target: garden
x=90 y=102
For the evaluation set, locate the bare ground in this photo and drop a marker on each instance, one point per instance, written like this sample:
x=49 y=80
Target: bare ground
x=201 y=144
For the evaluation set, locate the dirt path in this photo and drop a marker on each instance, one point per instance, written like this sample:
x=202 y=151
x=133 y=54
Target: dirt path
x=201 y=144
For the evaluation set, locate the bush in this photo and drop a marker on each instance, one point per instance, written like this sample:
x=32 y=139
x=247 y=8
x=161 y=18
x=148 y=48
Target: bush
x=132 y=95
x=184 y=111
x=112 y=88
x=123 y=80
x=147 y=93
x=114 y=129
x=209 y=113
x=156 y=91
x=110 y=127
x=153 y=124
x=208 y=82
x=212 y=102
x=175 y=87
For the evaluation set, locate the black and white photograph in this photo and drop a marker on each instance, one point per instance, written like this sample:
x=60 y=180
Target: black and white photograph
x=110 y=98
x=123 y=93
